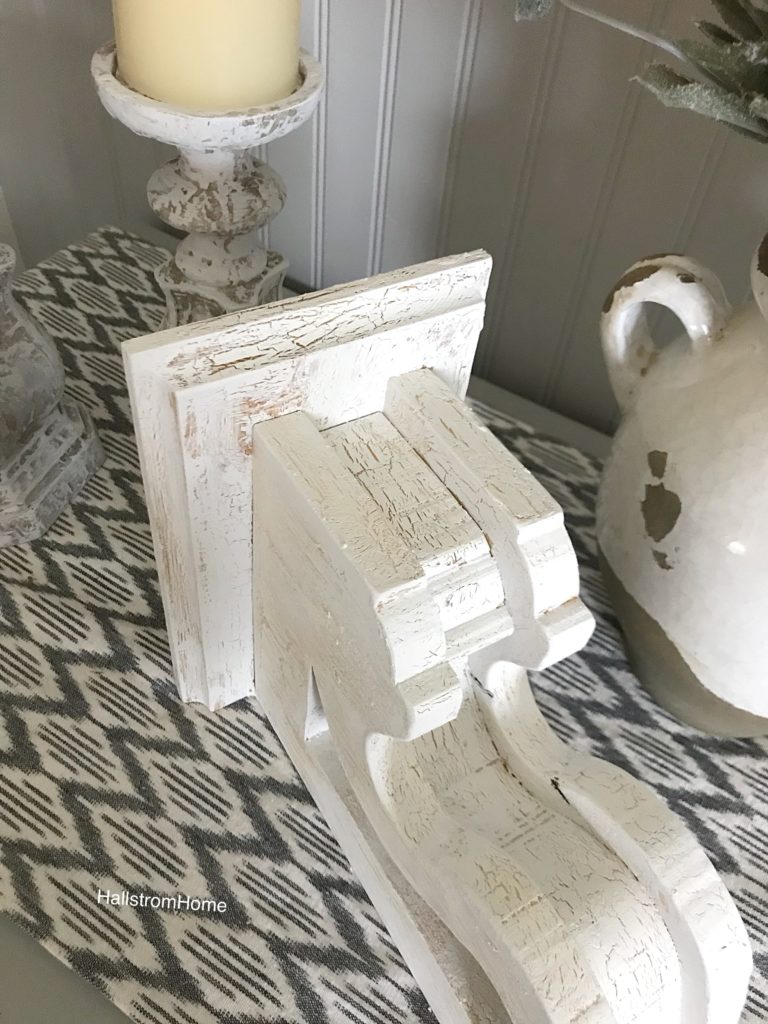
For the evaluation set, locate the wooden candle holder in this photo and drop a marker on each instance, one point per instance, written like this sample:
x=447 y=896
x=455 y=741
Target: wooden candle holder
x=217 y=190
x=338 y=535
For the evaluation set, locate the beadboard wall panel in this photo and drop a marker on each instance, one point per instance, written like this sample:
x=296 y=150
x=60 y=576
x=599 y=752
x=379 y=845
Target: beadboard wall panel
x=34 y=167
x=589 y=116
x=446 y=126
x=408 y=217
x=361 y=39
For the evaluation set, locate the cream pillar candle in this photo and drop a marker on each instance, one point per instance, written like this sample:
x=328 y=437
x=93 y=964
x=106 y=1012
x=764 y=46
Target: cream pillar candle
x=209 y=55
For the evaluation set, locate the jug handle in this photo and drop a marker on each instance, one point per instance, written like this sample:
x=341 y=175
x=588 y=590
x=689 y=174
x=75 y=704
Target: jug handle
x=691 y=291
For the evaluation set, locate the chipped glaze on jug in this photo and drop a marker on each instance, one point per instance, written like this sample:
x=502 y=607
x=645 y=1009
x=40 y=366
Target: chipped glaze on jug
x=683 y=504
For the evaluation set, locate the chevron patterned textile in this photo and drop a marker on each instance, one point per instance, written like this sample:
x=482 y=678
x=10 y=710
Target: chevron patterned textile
x=108 y=782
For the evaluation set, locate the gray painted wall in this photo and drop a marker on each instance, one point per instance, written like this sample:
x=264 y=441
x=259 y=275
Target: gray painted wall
x=446 y=126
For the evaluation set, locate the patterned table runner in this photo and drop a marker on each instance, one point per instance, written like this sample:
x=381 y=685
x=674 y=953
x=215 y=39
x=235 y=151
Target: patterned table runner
x=109 y=784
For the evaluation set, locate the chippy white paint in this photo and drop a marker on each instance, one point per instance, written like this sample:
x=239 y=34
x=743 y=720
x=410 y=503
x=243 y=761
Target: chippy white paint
x=406 y=566
x=682 y=510
x=48 y=445
x=197 y=392
x=217 y=190
x=313 y=464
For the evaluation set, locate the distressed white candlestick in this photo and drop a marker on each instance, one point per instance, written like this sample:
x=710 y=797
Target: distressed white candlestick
x=217 y=190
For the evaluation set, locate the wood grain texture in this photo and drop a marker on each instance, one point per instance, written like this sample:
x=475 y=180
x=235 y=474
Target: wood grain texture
x=522 y=522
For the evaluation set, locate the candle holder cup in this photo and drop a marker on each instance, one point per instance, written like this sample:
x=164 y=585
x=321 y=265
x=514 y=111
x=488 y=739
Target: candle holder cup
x=216 y=190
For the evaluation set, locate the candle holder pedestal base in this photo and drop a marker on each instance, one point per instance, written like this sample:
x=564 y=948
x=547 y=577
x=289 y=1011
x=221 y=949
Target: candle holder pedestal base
x=189 y=300
x=216 y=190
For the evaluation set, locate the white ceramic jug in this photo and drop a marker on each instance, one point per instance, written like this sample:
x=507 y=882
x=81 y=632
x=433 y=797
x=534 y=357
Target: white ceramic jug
x=683 y=505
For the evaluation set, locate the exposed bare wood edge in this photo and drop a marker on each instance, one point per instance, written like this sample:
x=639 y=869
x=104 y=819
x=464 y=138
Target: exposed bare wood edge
x=162 y=469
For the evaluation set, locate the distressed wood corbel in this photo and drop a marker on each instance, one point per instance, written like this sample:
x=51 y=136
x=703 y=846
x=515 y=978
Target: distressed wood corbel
x=404 y=571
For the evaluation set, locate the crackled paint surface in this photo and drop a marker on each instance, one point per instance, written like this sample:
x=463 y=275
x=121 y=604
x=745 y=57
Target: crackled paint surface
x=409 y=566
x=200 y=389
x=410 y=543
x=328 y=512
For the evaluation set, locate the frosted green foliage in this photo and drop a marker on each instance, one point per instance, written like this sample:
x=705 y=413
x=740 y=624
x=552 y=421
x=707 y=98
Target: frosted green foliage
x=528 y=9
x=675 y=90
x=742 y=68
x=739 y=17
x=729 y=62
x=716 y=33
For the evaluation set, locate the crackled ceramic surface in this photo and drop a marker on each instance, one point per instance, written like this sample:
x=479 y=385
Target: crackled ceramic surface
x=684 y=499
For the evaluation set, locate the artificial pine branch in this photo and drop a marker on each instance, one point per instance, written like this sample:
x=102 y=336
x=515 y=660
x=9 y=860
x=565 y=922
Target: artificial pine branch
x=737 y=16
x=676 y=90
x=758 y=14
x=738 y=67
x=731 y=58
x=716 y=33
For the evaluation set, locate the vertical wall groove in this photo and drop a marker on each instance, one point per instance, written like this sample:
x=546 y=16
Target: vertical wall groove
x=387 y=94
x=616 y=157
x=521 y=192
x=707 y=174
x=107 y=126
x=470 y=37
x=320 y=148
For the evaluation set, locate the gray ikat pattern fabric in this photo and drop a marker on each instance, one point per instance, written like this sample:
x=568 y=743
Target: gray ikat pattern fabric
x=108 y=783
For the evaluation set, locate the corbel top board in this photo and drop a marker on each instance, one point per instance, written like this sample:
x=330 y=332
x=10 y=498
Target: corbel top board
x=198 y=391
